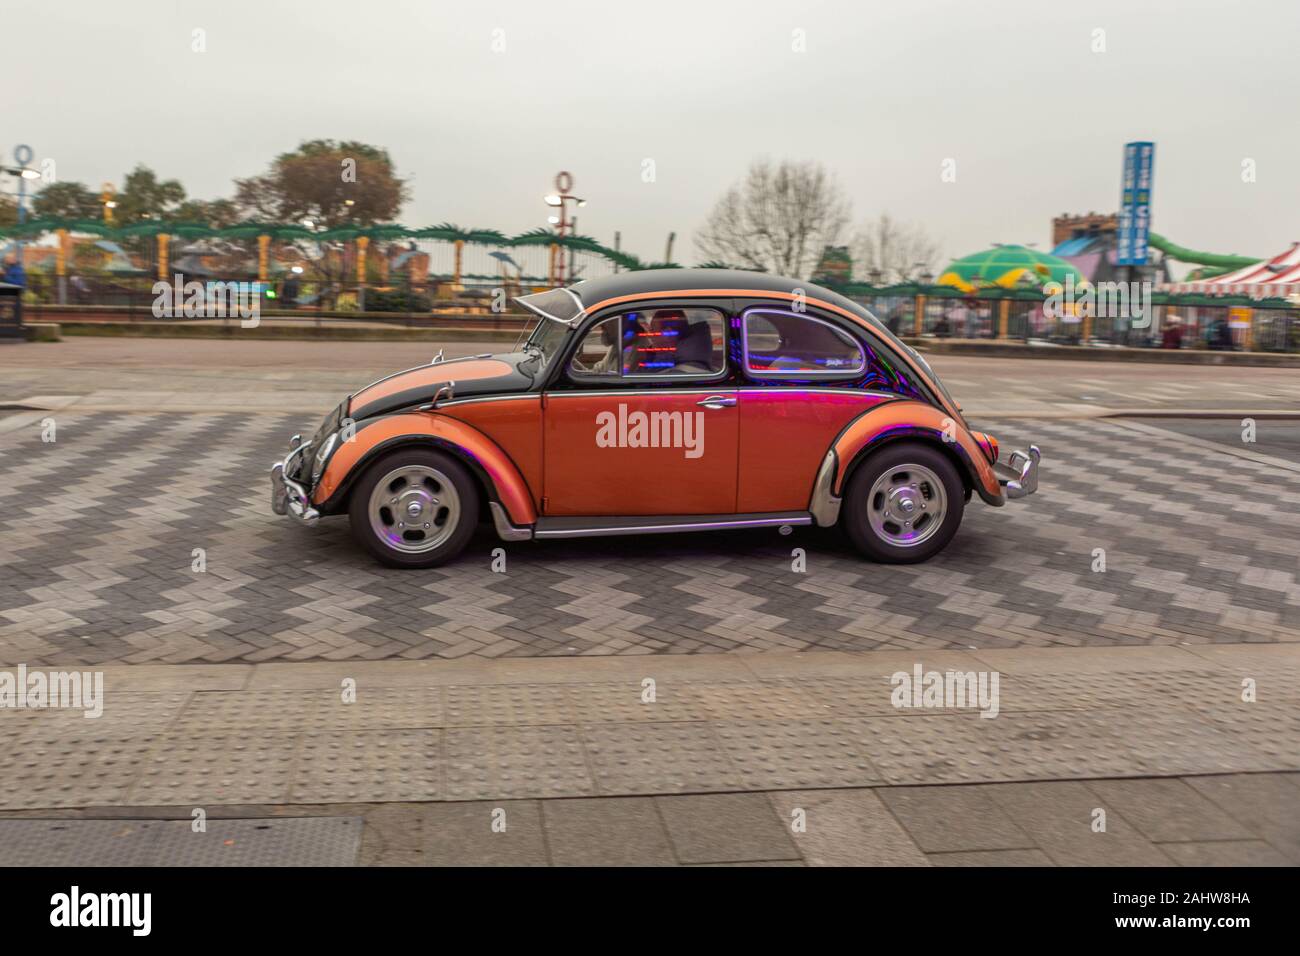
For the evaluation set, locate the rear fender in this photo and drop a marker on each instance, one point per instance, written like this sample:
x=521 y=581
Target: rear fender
x=483 y=456
x=910 y=419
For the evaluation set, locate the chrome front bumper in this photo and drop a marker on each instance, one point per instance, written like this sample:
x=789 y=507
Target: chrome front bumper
x=287 y=496
x=1019 y=476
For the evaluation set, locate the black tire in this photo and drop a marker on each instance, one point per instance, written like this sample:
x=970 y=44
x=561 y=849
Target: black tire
x=430 y=494
x=877 y=541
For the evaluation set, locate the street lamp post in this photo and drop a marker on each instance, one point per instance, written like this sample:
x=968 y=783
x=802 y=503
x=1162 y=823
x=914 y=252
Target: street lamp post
x=20 y=170
x=106 y=197
x=561 y=199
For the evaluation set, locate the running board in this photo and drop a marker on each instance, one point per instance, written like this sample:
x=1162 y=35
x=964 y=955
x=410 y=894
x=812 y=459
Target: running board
x=591 y=527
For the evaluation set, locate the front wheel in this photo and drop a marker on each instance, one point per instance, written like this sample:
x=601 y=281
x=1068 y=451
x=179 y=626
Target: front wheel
x=904 y=503
x=414 y=508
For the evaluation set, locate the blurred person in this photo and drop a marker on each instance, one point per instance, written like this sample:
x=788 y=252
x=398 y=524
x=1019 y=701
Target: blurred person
x=15 y=274
x=612 y=360
x=1220 y=335
x=1172 y=336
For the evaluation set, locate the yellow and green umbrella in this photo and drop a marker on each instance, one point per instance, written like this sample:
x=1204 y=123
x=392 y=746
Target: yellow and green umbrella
x=1009 y=267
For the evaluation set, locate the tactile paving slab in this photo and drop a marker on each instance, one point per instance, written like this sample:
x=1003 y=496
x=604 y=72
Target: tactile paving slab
x=484 y=762
x=218 y=768
x=293 y=841
x=493 y=705
x=799 y=754
x=368 y=766
x=659 y=758
x=80 y=769
x=531 y=740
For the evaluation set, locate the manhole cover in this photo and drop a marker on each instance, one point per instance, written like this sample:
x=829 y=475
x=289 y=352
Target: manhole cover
x=296 y=841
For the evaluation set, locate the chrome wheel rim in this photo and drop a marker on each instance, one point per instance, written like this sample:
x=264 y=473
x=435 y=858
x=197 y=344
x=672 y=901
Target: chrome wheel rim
x=907 y=505
x=414 y=509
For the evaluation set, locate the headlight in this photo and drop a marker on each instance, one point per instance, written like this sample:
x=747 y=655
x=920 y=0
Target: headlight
x=322 y=455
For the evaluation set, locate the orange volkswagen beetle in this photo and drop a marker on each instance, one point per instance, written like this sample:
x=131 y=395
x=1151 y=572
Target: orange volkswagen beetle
x=656 y=401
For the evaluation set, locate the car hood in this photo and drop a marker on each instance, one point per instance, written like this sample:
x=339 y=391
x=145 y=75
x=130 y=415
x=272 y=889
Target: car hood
x=473 y=376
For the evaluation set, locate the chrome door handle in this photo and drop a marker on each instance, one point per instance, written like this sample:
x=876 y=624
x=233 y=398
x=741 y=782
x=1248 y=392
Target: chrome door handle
x=717 y=401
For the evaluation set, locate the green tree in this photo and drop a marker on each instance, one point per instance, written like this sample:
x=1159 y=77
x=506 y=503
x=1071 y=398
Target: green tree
x=330 y=183
x=218 y=213
x=145 y=196
x=68 y=200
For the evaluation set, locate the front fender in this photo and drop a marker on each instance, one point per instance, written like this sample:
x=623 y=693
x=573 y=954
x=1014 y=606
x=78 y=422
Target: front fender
x=505 y=483
x=912 y=419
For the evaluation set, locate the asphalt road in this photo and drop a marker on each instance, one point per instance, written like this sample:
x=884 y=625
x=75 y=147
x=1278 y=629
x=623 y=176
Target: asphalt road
x=1279 y=438
x=221 y=367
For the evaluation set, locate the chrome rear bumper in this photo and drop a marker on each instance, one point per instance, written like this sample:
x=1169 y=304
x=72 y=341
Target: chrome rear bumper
x=287 y=496
x=1019 y=476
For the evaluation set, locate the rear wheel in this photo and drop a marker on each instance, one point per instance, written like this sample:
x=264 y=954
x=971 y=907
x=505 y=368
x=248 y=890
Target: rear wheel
x=904 y=503
x=414 y=508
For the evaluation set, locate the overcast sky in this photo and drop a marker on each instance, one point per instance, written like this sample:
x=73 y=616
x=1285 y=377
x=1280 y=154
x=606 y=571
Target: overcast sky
x=883 y=93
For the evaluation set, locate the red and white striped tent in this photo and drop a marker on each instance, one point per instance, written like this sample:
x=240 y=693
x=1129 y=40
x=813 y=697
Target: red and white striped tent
x=1279 y=277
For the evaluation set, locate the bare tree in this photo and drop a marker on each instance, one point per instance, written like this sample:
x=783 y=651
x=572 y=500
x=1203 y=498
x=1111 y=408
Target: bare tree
x=778 y=219
x=886 y=252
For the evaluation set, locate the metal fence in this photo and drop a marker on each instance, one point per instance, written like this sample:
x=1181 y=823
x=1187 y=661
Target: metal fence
x=111 y=299
x=1267 y=326
x=397 y=296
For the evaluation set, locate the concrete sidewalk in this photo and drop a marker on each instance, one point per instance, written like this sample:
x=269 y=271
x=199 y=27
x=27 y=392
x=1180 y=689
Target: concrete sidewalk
x=567 y=727
x=1224 y=820
x=716 y=752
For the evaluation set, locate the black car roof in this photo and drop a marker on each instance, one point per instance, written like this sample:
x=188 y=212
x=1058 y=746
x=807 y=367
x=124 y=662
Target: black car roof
x=593 y=291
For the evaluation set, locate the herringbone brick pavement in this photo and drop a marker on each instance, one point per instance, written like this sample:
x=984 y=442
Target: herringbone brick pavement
x=98 y=532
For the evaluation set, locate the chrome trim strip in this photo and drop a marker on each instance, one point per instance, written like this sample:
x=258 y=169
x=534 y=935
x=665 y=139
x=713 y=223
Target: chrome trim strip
x=490 y=398
x=416 y=368
x=824 y=506
x=772 y=521
x=505 y=530
x=670 y=376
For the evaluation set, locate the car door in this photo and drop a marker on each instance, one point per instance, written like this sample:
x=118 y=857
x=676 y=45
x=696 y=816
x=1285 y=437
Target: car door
x=802 y=383
x=643 y=417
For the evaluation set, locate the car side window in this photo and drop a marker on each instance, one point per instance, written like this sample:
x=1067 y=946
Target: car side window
x=789 y=343
x=600 y=352
x=653 y=344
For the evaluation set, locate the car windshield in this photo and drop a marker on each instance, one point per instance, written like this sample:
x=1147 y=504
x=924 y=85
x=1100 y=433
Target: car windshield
x=545 y=340
x=556 y=310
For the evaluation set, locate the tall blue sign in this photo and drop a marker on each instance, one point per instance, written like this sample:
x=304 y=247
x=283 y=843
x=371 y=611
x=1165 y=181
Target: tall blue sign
x=1135 y=204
